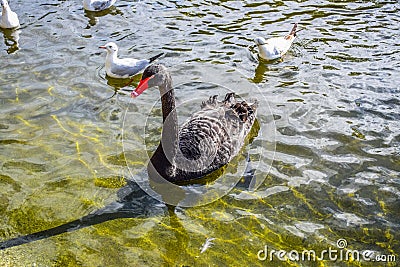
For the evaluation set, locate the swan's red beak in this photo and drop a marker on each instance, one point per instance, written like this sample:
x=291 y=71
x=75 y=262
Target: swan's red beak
x=102 y=46
x=142 y=86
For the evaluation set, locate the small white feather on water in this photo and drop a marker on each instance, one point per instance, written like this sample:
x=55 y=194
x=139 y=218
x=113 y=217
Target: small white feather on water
x=207 y=244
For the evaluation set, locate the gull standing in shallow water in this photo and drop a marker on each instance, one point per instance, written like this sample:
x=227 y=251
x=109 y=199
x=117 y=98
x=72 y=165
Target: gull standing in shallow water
x=275 y=47
x=9 y=19
x=97 y=5
x=124 y=67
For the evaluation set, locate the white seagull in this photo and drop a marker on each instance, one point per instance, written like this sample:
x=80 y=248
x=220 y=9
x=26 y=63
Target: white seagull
x=97 y=5
x=275 y=47
x=9 y=19
x=124 y=67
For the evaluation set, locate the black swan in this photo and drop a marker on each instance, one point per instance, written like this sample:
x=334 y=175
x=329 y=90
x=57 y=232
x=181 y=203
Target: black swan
x=208 y=140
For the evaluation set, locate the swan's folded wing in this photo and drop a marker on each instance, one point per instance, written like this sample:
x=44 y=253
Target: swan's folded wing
x=215 y=134
x=201 y=142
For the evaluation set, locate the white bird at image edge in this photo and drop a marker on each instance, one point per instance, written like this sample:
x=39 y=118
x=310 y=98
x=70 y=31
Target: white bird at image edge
x=9 y=19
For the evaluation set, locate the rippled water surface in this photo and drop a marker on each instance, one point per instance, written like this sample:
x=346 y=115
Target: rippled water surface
x=71 y=141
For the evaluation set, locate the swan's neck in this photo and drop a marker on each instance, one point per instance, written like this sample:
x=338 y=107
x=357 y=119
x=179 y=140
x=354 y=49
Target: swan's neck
x=170 y=118
x=163 y=160
x=168 y=105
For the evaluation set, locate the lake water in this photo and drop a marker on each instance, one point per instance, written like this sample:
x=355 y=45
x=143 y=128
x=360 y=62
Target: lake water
x=326 y=158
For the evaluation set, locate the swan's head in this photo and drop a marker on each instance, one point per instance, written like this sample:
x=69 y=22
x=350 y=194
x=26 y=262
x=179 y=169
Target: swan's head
x=110 y=47
x=260 y=41
x=153 y=75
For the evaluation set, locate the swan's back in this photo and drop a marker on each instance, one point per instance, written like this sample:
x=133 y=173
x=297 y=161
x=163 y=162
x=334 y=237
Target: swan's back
x=213 y=136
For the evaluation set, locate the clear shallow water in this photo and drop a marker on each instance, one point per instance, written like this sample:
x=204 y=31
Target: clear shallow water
x=334 y=100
